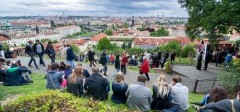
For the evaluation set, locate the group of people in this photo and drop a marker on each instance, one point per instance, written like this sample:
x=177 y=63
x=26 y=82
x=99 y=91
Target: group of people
x=38 y=49
x=14 y=73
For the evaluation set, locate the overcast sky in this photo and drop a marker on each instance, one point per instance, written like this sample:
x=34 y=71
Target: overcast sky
x=170 y=8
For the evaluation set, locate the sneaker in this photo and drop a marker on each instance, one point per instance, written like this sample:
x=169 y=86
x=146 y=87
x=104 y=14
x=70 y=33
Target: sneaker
x=30 y=81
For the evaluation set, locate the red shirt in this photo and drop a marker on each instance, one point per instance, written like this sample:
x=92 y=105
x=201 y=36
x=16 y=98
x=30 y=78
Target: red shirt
x=124 y=60
x=145 y=67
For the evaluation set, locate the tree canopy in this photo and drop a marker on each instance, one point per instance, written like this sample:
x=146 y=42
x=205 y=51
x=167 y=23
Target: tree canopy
x=211 y=18
x=108 y=32
x=160 y=32
x=104 y=44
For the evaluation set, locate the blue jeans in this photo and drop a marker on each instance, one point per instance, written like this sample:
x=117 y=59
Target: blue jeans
x=70 y=62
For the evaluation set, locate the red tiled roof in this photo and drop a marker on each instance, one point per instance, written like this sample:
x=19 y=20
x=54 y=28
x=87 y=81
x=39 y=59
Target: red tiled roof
x=4 y=37
x=75 y=41
x=160 y=41
x=98 y=37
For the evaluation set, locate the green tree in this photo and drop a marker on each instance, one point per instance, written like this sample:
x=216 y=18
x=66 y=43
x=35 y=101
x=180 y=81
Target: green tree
x=5 y=46
x=104 y=44
x=213 y=17
x=108 y=32
x=125 y=25
x=55 y=41
x=160 y=32
x=75 y=48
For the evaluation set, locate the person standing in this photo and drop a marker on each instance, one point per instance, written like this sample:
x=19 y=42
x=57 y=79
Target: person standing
x=91 y=59
x=1 y=51
x=124 y=63
x=103 y=61
x=30 y=52
x=70 y=56
x=199 y=61
x=172 y=59
x=50 y=51
x=139 y=96
x=145 y=67
x=167 y=54
x=39 y=50
x=208 y=58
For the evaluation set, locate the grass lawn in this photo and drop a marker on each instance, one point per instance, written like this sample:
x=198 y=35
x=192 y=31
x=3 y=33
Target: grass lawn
x=39 y=85
x=135 y=68
x=185 y=61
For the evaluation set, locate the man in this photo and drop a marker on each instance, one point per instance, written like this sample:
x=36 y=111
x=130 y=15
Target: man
x=70 y=56
x=39 y=50
x=50 y=51
x=29 y=50
x=124 y=63
x=103 y=61
x=14 y=75
x=179 y=94
x=97 y=86
x=138 y=95
x=91 y=54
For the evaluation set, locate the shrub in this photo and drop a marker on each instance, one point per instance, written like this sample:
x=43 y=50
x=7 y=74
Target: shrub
x=187 y=50
x=55 y=101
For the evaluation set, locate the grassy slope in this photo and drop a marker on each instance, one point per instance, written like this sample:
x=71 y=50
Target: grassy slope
x=39 y=85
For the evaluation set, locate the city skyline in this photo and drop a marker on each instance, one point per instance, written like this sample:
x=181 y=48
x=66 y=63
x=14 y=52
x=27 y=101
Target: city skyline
x=121 y=8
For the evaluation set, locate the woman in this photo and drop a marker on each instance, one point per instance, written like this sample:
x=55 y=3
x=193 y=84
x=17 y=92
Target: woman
x=68 y=71
x=119 y=87
x=145 y=67
x=161 y=94
x=75 y=82
x=54 y=77
x=199 y=59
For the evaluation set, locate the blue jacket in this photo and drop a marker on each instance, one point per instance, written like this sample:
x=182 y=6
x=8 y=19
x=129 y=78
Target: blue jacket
x=70 y=54
x=119 y=90
x=54 y=81
x=67 y=72
x=14 y=76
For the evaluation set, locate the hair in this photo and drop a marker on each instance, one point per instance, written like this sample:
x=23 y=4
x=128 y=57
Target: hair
x=67 y=66
x=62 y=66
x=49 y=67
x=79 y=64
x=95 y=70
x=117 y=57
x=8 y=62
x=77 y=72
x=19 y=63
x=119 y=77
x=218 y=93
x=177 y=79
x=2 y=60
x=163 y=87
x=54 y=66
x=142 y=78
x=37 y=41
x=30 y=41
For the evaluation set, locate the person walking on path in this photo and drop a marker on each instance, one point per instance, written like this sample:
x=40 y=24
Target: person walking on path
x=172 y=58
x=70 y=56
x=145 y=67
x=124 y=63
x=91 y=59
x=199 y=61
x=50 y=51
x=39 y=50
x=103 y=61
x=208 y=58
x=30 y=52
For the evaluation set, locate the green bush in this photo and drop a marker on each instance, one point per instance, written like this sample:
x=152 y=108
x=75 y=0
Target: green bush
x=55 y=101
x=189 y=48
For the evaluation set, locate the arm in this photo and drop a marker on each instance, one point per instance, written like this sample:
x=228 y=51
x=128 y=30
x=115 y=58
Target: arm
x=23 y=69
x=60 y=78
x=204 y=100
x=150 y=98
x=127 y=93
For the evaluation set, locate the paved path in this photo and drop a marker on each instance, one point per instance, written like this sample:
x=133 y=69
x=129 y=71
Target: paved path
x=131 y=76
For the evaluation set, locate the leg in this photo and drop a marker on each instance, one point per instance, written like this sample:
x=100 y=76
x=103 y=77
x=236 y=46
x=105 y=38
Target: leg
x=34 y=61
x=122 y=68
x=72 y=64
x=147 y=76
x=30 y=62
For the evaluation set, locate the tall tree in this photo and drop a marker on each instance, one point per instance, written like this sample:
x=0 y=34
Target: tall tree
x=104 y=44
x=108 y=32
x=211 y=18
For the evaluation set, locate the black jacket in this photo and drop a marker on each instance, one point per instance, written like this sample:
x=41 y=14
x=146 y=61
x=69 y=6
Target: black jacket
x=50 y=50
x=91 y=55
x=29 y=50
x=97 y=87
x=103 y=59
x=86 y=73
x=119 y=90
x=35 y=47
x=117 y=64
x=77 y=88
x=160 y=103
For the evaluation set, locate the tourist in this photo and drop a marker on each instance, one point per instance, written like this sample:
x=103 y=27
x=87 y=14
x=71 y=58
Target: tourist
x=179 y=94
x=75 y=82
x=226 y=105
x=30 y=52
x=199 y=61
x=97 y=86
x=161 y=94
x=91 y=59
x=163 y=61
x=68 y=71
x=218 y=93
x=166 y=54
x=39 y=50
x=85 y=71
x=119 y=87
x=218 y=58
x=62 y=66
x=8 y=53
x=14 y=75
x=54 y=77
x=228 y=59
x=117 y=65
x=49 y=67
x=103 y=61
x=124 y=63
x=159 y=58
x=70 y=56
x=138 y=95
x=1 y=51
x=112 y=59
x=144 y=68
x=208 y=59
x=172 y=58
x=3 y=68
x=50 y=51
x=155 y=60
x=26 y=75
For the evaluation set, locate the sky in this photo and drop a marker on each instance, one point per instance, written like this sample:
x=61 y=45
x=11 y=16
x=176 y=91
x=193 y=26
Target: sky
x=122 y=8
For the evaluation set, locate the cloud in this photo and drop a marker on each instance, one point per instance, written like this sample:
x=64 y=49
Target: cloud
x=92 y=7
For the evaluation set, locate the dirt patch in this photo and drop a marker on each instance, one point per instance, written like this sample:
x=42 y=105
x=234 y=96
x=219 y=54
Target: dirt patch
x=9 y=99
